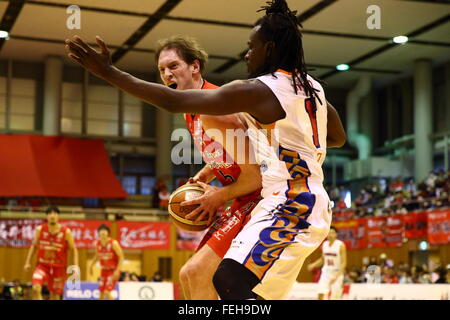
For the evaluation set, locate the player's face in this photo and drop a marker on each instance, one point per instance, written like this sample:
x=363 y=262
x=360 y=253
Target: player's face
x=256 y=54
x=332 y=235
x=103 y=234
x=175 y=72
x=52 y=218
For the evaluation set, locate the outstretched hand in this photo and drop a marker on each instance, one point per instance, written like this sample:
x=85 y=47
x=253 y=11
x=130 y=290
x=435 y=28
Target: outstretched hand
x=209 y=202
x=97 y=63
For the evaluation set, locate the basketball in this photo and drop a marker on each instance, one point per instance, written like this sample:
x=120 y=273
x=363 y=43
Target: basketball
x=178 y=212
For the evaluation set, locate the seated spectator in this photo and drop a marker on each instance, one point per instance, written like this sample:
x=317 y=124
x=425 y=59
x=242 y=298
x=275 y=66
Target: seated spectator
x=340 y=204
x=16 y=291
x=363 y=198
x=334 y=193
x=164 y=196
x=405 y=277
x=157 y=277
x=390 y=276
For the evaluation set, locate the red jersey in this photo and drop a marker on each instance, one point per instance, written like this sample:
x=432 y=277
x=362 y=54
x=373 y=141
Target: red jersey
x=213 y=153
x=52 y=247
x=108 y=257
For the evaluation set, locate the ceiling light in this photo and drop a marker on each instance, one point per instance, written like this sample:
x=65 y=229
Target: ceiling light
x=400 y=39
x=4 y=34
x=343 y=67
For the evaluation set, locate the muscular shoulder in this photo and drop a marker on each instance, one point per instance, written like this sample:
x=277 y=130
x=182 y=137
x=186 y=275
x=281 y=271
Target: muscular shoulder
x=222 y=122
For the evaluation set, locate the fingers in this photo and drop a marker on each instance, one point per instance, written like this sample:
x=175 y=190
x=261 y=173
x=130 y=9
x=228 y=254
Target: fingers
x=75 y=58
x=82 y=44
x=192 y=180
x=191 y=202
x=102 y=45
x=75 y=49
x=204 y=185
x=201 y=216
x=194 y=213
x=211 y=218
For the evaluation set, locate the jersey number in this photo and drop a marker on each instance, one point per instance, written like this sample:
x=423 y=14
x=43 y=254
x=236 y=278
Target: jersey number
x=226 y=176
x=311 y=109
x=330 y=262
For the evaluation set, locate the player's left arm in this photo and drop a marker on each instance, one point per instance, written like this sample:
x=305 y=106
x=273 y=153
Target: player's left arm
x=249 y=180
x=118 y=250
x=238 y=96
x=343 y=253
x=72 y=246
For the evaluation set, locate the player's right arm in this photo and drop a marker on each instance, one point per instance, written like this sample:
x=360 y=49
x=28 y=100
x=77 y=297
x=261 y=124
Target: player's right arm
x=316 y=264
x=205 y=175
x=94 y=261
x=37 y=232
x=335 y=131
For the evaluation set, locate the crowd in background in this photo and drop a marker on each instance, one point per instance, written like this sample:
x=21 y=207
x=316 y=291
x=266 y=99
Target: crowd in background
x=384 y=270
x=398 y=196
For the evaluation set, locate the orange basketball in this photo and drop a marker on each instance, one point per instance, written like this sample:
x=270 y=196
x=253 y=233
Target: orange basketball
x=178 y=212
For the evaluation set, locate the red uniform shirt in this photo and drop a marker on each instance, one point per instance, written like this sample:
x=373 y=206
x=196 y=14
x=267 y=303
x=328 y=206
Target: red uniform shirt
x=52 y=248
x=213 y=152
x=108 y=257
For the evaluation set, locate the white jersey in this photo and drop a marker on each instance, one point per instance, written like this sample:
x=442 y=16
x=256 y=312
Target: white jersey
x=302 y=131
x=331 y=256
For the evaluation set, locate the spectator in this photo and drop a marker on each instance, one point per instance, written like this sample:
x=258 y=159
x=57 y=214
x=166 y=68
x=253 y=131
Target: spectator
x=159 y=185
x=16 y=291
x=164 y=196
x=157 y=277
x=448 y=274
x=441 y=275
x=334 y=193
x=390 y=276
x=405 y=277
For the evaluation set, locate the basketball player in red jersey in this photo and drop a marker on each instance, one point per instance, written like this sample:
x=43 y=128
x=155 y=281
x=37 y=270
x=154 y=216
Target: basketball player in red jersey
x=52 y=242
x=110 y=254
x=181 y=62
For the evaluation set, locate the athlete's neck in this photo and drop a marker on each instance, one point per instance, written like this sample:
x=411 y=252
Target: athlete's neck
x=104 y=241
x=53 y=228
x=197 y=83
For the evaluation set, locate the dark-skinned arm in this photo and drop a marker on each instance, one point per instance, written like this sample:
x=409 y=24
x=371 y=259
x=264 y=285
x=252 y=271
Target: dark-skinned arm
x=335 y=131
x=250 y=96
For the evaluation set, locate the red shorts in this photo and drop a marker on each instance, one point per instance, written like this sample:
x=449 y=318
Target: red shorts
x=228 y=225
x=107 y=281
x=53 y=277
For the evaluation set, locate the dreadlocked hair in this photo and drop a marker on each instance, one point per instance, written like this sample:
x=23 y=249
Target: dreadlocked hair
x=281 y=27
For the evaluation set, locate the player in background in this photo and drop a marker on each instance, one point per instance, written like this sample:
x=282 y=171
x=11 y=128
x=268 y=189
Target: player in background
x=333 y=262
x=52 y=242
x=110 y=255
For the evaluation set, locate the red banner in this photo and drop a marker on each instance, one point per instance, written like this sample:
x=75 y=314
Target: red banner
x=144 y=235
x=189 y=240
x=352 y=233
x=18 y=233
x=394 y=231
x=439 y=227
x=415 y=225
x=84 y=231
x=376 y=229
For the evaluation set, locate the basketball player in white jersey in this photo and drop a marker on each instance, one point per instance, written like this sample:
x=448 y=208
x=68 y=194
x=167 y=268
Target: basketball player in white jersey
x=294 y=216
x=333 y=262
